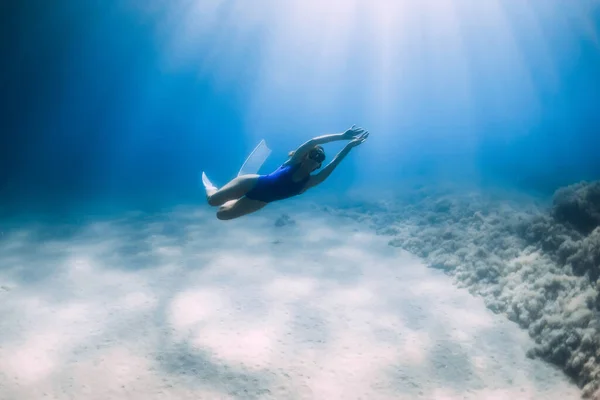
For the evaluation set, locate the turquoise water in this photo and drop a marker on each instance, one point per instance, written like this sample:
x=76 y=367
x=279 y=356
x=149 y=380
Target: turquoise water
x=123 y=103
x=454 y=254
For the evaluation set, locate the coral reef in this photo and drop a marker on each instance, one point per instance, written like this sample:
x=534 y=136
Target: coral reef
x=539 y=267
x=571 y=233
x=578 y=206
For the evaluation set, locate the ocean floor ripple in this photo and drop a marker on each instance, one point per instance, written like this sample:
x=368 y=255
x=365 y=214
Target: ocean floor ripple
x=290 y=303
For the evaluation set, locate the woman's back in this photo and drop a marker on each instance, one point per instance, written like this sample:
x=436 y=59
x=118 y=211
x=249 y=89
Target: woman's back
x=278 y=185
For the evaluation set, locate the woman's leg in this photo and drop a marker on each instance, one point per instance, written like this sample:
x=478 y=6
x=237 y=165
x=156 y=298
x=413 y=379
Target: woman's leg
x=234 y=190
x=238 y=208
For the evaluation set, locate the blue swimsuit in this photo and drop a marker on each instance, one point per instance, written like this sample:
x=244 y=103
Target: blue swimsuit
x=278 y=185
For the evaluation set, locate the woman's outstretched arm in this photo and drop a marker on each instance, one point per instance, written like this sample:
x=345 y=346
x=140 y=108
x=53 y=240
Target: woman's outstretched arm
x=349 y=134
x=325 y=172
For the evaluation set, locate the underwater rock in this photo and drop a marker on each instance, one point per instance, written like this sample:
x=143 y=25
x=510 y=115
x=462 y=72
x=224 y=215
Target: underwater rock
x=284 y=220
x=586 y=258
x=578 y=206
x=540 y=268
x=442 y=206
x=571 y=233
x=388 y=231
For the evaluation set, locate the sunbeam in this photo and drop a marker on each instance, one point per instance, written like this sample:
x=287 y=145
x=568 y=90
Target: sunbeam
x=453 y=72
x=303 y=58
x=452 y=255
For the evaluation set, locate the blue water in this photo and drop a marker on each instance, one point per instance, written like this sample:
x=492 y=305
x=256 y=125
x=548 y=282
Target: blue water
x=118 y=105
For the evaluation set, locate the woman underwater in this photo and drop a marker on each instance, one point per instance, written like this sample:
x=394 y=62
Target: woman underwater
x=249 y=193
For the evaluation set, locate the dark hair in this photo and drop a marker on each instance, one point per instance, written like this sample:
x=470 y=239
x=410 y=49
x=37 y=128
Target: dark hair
x=317 y=149
x=291 y=153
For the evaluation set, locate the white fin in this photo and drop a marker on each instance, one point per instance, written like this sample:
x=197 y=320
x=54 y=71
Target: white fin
x=251 y=166
x=256 y=159
x=207 y=183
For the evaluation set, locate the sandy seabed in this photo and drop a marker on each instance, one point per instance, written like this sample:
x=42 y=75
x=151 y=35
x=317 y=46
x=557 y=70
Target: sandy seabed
x=179 y=305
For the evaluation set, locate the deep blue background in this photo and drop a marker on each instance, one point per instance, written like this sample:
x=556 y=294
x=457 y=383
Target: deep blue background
x=91 y=118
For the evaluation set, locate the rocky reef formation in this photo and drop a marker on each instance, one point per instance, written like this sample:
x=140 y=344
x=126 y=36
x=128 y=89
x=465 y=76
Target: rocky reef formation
x=539 y=266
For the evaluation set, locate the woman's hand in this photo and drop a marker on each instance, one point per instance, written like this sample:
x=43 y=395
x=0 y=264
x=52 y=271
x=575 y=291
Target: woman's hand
x=358 y=140
x=353 y=133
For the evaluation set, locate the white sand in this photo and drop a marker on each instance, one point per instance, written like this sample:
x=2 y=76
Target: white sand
x=183 y=306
